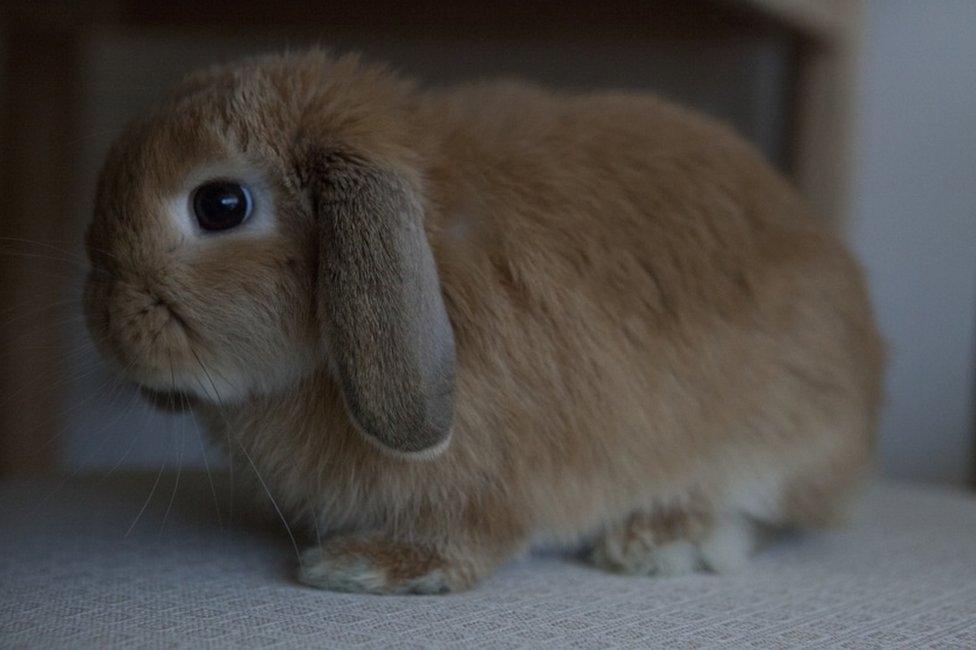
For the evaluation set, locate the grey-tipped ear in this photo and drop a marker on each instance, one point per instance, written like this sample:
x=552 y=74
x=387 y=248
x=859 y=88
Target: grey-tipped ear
x=379 y=301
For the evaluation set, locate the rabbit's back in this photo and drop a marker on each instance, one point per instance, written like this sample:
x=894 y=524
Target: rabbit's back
x=642 y=305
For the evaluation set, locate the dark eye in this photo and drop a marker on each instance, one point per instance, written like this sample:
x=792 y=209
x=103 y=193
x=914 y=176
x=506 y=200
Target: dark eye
x=219 y=205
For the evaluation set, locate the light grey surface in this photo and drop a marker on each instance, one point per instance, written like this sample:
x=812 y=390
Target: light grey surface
x=914 y=226
x=903 y=574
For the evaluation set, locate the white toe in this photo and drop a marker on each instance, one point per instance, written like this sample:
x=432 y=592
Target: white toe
x=728 y=545
x=676 y=558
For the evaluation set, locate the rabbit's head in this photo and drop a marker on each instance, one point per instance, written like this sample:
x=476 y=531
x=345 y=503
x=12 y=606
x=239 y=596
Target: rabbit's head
x=265 y=223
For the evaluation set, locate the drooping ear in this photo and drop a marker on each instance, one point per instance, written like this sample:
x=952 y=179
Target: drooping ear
x=380 y=306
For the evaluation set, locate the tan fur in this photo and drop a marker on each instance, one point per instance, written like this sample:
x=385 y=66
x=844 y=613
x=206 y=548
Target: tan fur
x=644 y=314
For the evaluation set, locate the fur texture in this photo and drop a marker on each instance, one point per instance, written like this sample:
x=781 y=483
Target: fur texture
x=654 y=342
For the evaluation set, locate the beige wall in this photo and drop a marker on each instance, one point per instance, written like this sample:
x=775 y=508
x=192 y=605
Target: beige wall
x=914 y=226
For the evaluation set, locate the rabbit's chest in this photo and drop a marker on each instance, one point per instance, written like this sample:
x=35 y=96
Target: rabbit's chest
x=309 y=461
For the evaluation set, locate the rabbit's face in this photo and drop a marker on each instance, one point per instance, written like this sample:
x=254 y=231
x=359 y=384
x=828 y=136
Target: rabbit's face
x=203 y=258
x=267 y=221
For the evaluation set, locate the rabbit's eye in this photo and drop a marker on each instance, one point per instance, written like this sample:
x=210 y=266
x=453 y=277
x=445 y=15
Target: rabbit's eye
x=219 y=205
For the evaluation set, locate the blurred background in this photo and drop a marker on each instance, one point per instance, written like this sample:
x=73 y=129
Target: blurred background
x=870 y=107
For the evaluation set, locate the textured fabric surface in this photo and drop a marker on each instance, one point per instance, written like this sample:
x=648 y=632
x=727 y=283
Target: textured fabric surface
x=903 y=574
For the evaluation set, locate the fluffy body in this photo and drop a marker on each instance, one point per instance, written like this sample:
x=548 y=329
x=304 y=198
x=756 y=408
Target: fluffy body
x=656 y=344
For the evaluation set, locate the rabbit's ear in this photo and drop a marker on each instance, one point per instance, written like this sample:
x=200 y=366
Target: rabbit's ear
x=379 y=303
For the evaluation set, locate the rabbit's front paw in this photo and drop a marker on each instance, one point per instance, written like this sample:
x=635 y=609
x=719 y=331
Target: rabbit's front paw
x=368 y=564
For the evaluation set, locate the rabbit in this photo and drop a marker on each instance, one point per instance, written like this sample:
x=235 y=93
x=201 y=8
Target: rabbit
x=453 y=325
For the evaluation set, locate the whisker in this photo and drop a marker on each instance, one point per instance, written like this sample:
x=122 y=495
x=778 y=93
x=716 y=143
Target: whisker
x=152 y=491
x=36 y=328
x=206 y=466
x=274 y=503
x=179 y=464
x=145 y=505
x=47 y=245
x=43 y=377
x=128 y=450
x=78 y=263
x=118 y=391
x=113 y=132
x=66 y=280
x=46 y=376
x=61 y=249
x=77 y=350
x=68 y=349
x=117 y=381
x=254 y=467
x=73 y=301
x=230 y=449
x=315 y=522
x=146 y=417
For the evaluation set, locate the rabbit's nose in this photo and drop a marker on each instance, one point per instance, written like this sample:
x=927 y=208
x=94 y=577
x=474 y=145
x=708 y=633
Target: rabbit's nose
x=156 y=313
x=140 y=308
